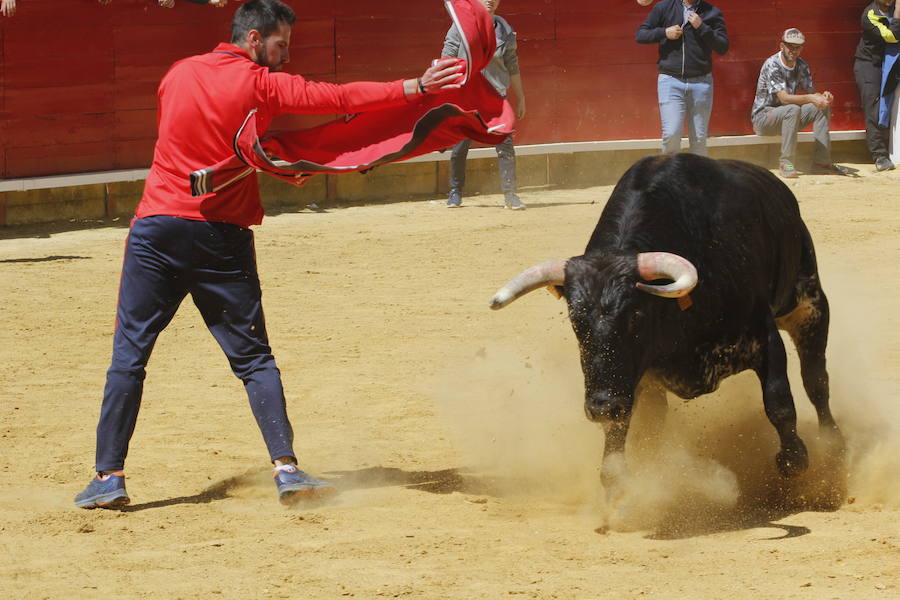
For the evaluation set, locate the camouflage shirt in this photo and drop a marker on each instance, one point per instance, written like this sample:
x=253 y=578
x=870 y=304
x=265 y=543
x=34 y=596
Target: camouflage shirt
x=774 y=77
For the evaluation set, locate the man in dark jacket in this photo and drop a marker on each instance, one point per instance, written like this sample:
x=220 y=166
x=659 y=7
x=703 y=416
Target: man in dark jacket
x=688 y=32
x=880 y=23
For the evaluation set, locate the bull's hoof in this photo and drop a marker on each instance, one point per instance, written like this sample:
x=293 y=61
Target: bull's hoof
x=835 y=445
x=612 y=473
x=792 y=461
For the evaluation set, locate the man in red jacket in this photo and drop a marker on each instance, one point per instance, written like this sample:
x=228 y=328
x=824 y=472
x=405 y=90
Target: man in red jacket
x=180 y=245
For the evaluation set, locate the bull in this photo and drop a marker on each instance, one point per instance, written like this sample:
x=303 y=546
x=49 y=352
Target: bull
x=692 y=269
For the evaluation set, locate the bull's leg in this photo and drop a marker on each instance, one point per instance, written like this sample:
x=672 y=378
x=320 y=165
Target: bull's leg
x=808 y=327
x=613 y=473
x=613 y=454
x=650 y=417
x=652 y=407
x=779 y=403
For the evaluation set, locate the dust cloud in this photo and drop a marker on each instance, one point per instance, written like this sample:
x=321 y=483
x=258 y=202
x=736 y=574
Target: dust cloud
x=865 y=401
x=516 y=415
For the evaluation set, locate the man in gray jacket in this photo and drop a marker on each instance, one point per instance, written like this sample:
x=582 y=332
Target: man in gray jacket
x=503 y=74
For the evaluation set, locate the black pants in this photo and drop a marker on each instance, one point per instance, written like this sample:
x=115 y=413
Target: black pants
x=506 y=161
x=167 y=258
x=868 y=80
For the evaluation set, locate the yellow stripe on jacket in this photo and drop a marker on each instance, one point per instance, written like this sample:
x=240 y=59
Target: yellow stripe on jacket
x=886 y=34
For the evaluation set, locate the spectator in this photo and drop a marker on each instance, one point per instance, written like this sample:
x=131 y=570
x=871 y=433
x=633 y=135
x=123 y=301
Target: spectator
x=503 y=74
x=880 y=23
x=787 y=101
x=688 y=32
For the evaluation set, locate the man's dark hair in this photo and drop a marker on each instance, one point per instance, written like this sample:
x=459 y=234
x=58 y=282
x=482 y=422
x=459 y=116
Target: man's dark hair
x=261 y=15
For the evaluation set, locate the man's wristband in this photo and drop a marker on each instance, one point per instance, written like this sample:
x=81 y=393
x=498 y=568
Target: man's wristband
x=421 y=86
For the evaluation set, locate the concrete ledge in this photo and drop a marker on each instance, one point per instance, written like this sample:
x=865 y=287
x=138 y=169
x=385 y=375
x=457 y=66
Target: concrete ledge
x=55 y=181
x=568 y=164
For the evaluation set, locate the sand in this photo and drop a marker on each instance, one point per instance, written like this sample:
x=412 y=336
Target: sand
x=455 y=434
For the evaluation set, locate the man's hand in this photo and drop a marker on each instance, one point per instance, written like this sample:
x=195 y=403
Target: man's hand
x=444 y=74
x=8 y=8
x=218 y=3
x=167 y=3
x=520 y=109
x=674 y=32
x=695 y=20
x=821 y=101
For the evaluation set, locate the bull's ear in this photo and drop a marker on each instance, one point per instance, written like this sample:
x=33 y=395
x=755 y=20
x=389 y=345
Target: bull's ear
x=556 y=290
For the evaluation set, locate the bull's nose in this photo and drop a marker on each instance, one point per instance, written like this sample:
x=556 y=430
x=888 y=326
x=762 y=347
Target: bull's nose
x=608 y=410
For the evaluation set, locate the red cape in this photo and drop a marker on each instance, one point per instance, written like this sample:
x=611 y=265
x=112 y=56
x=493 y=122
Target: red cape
x=363 y=141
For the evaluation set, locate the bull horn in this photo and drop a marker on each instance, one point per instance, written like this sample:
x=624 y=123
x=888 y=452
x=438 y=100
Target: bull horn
x=551 y=272
x=664 y=265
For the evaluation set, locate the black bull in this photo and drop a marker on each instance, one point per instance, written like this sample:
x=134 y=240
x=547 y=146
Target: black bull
x=728 y=237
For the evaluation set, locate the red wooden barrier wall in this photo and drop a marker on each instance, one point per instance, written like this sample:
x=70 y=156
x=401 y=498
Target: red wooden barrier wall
x=78 y=80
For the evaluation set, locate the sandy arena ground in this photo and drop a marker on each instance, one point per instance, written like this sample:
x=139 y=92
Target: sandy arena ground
x=455 y=434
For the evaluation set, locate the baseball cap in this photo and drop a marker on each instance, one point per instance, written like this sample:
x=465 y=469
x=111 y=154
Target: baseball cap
x=793 y=36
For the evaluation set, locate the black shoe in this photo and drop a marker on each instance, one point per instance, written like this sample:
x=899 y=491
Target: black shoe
x=883 y=163
x=455 y=199
x=513 y=202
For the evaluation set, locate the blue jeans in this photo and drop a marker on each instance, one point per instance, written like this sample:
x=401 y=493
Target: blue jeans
x=691 y=97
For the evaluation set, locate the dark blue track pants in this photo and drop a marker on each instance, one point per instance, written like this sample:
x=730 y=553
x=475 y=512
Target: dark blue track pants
x=167 y=258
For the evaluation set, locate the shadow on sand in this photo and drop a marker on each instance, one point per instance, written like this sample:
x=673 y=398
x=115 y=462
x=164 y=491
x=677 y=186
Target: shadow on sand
x=750 y=513
x=443 y=481
x=217 y=491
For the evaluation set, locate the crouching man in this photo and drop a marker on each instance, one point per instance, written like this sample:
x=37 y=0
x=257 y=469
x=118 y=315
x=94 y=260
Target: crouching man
x=787 y=101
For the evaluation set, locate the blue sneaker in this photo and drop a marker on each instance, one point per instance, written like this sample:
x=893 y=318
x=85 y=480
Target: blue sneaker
x=295 y=485
x=104 y=491
x=513 y=202
x=454 y=200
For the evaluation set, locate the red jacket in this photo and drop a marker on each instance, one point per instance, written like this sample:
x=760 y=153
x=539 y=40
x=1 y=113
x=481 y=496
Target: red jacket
x=204 y=99
x=376 y=137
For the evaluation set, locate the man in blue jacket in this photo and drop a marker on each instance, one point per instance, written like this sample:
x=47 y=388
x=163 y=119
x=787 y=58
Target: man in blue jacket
x=688 y=32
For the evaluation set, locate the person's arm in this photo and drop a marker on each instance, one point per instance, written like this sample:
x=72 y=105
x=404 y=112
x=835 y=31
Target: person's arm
x=874 y=29
x=8 y=8
x=653 y=29
x=711 y=29
x=452 y=42
x=809 y=95
x=294 y=94
x=511 y=62
x=216 y=3
x=820 y=100
x=518 y=92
